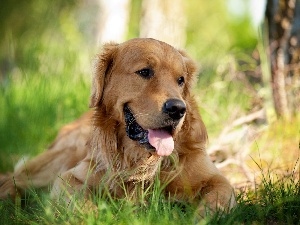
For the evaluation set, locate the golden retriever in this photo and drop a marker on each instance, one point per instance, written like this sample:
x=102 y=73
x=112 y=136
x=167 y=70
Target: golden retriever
x=145 y=124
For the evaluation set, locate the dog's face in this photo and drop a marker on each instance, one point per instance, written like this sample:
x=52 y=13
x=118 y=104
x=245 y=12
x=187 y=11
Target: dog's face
x=144 y=84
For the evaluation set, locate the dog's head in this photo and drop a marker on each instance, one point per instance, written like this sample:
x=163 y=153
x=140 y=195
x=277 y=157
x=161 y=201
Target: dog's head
x=144 y=85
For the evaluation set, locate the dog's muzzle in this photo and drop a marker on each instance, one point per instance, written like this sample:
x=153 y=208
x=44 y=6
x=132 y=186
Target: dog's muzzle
x=161 y=134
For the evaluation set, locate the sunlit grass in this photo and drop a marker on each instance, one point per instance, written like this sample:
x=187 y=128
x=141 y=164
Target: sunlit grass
x=33 y=108
x=278 y=146
x=222 y=96
x=275 y=201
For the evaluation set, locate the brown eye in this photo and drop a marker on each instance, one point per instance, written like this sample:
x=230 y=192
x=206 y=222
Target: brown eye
x=145 y=73
x=180 y=81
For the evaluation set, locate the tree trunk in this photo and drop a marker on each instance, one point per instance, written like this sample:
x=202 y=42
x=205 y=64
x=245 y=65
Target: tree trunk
x=114 y=19
x=164 y=20
x=283 y=18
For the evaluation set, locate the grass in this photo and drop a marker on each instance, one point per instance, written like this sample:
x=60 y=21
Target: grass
x=109 y=212
x=35 y=105
x=275 y=201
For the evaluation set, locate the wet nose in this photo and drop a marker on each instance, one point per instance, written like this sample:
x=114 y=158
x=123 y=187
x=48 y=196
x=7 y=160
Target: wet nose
x=175 y=108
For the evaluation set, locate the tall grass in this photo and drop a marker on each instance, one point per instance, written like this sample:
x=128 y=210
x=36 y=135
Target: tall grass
x=274 y=201
x=34 y=107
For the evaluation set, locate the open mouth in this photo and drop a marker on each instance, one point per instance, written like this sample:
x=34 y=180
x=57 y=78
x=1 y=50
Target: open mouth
x=159 y=139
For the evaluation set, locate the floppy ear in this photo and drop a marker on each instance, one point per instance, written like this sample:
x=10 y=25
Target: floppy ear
x=191 y=71
x=102 y=65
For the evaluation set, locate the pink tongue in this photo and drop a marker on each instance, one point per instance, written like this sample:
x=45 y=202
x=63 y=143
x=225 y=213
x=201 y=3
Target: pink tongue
x=162 y=141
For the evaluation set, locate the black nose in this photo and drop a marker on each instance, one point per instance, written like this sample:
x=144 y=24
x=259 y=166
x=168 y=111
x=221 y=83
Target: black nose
x=175 y=108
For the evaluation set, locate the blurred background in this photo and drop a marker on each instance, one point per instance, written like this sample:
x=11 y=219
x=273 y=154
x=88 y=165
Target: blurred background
x=247 y=52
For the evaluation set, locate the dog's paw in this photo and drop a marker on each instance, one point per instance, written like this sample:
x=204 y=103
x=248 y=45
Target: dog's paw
x=8 y=188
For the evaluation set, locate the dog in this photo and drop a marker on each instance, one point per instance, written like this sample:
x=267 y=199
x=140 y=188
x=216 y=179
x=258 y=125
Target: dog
x=144 y=126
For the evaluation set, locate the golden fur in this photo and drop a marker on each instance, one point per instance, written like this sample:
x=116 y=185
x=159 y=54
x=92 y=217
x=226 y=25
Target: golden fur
x=97 y=143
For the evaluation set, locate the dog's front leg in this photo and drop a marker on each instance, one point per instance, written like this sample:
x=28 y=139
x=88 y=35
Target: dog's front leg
x=77 y=181
x=217 y=194
x=197 y=178
x=75 y=186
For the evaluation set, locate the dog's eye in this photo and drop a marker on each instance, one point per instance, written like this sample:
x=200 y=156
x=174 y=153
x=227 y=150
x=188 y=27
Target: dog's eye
x=180 y=81
x=145 y=73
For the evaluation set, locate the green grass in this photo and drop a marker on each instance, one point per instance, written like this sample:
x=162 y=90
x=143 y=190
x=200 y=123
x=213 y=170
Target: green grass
x=41 y=210
x=32 y=111
x=275 y=201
